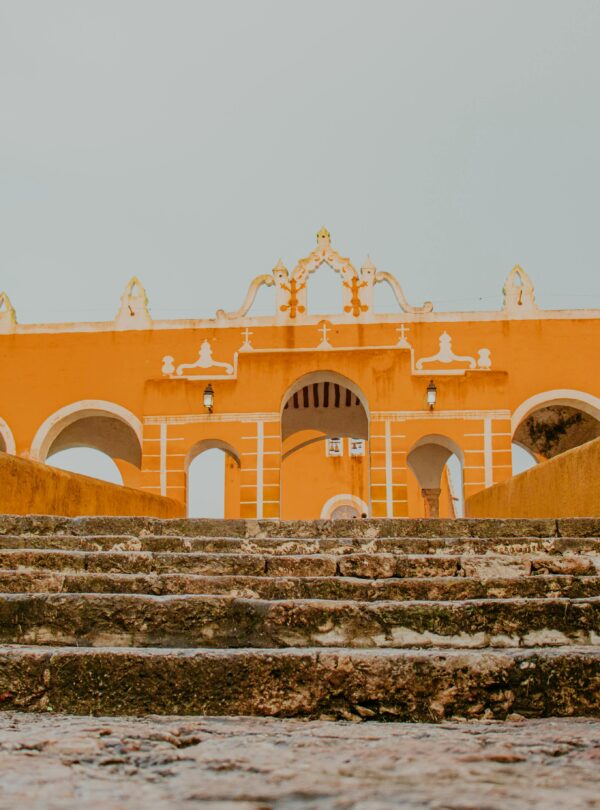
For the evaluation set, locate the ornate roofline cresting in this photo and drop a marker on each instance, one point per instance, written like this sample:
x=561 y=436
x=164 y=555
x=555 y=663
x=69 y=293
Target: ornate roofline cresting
x=292 y=290
x=292 y=301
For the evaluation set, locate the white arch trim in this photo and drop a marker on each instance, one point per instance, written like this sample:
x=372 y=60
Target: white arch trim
x=211 y=444
x=343 y=500
x=441 y=440
x=324 y=376
x=64 y=417
x=9 y=439
x=560 y=396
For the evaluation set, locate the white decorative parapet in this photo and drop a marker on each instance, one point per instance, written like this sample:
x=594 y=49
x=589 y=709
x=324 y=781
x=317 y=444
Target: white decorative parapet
x=205 y=361
x=446 y=355
x=133 y=312
x=291 y=298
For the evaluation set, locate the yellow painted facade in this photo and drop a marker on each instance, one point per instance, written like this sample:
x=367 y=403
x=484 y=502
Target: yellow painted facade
x=320 y=415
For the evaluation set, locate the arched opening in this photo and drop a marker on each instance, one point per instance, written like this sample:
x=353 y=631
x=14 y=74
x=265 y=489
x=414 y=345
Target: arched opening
x=550 y=423
x=437 y=463
x=87 y=461
x=522 y=459
x=103 y=429
x=325 y=455
x=324 y=291
x=213 y=480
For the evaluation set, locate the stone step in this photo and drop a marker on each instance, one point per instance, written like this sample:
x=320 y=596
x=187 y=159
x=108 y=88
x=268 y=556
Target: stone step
x=364 y=529
x=363 y=565
x=407 y=685
x=221 y=621
x=287 y=547
x=339 y=587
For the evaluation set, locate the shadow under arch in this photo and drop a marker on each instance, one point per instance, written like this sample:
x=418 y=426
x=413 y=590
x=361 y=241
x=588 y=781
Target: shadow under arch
x=98 y=424
x=427 y=460
x=7 y=441
x=325 y=401
x=551 y=422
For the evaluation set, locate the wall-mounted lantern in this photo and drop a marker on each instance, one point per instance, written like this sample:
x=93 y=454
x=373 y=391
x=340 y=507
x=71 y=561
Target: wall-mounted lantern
x=431 y=395
x=209 y=398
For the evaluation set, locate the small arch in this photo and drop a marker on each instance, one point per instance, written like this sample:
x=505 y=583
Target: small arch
x=90 y=423
x=211 y=444
x=338 y=502
x=7 y=440
x=213 y=483
x=427 y=460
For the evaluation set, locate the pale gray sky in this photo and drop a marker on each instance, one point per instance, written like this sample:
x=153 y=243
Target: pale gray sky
x=194 y=143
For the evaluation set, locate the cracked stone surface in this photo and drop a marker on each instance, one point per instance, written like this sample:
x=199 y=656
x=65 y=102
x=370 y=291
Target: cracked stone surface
x=60 y=761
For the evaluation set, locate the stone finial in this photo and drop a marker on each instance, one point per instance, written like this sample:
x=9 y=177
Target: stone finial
x=368 y=270
x=519 y=293
x=8 y=316
x=323 y=239
x=133 y=312
x=280 y=270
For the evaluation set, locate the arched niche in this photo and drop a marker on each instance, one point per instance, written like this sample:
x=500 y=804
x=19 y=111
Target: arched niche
x=551 y=422
x=98 y=424
x=344 y=506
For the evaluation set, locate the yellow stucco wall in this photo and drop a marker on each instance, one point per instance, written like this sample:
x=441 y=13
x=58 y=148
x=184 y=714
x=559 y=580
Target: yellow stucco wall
x=30 y=488
x=566 y=486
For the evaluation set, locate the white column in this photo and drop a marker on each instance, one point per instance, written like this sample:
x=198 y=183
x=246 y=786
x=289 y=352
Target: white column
x=487 y=452
x=389 y=492
x=260 y=466
x=163 y=458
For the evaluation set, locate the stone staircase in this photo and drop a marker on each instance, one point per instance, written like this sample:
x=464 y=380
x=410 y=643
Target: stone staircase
x=418 y=620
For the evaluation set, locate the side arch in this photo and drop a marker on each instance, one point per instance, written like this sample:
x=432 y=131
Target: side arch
x=569 y=397
x=88 y=409
x=7 y=439
x=551 y=422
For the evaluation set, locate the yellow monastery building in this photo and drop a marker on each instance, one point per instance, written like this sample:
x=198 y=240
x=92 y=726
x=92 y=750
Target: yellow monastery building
x=336 y=415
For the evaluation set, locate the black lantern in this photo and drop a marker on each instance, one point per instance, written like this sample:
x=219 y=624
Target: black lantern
x=209 y=398
x=431 y=395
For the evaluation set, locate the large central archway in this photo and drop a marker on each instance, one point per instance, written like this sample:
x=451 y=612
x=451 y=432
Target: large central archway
x=325 y=456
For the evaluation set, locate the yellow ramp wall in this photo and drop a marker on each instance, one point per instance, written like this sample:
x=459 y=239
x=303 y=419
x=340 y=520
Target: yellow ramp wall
x=30 y=488
x=565 y=486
